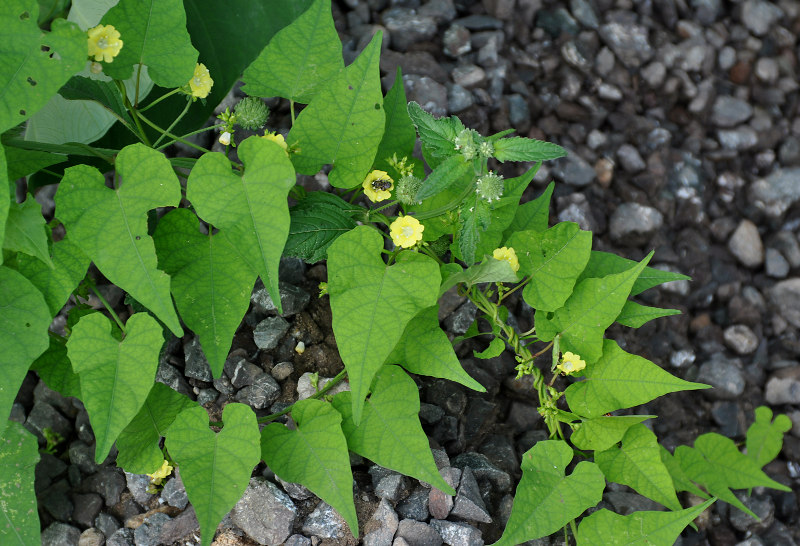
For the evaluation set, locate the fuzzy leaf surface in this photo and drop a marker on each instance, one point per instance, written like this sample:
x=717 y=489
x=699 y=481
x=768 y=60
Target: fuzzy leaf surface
x=211 y=288
x=314 y=454
x=298 y=58
x=474 y=219
x=153 y=33
x=448 y=172
x=19 y=453
x=621 y=380
x=115 y=376
x=533 y=215
x=425 y=350
x=390 y=433
x=604 y=263
x=215 y=466
x=24 y=319
x=593 y=306
x=526 y=149
x=55 y=369
x=765 y=436
x=554 y=259
x=139 y=452
x=317 y=220
x=643 y=528
x=29 y=76
x=58 y=282
x=399 y=135
x=637 y=464
x=634 y=315
x=372 y=303
x=343 y=125
x=438 y=135
x=250 y=210
x=25 y=230
x=546 y=498
x=600 y=433
x=110 y=225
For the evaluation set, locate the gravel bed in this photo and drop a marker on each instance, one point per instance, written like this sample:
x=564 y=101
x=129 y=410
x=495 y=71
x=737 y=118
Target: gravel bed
x=682 y=122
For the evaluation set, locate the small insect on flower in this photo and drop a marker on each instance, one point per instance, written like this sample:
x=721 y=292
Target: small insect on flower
x=201 y=82
x=570 y=363
x=378 y=186
x=406 y=231
x=104 y=43
x=507 y=254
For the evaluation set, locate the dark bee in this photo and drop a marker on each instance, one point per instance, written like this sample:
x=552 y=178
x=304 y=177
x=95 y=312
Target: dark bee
x=381 y=184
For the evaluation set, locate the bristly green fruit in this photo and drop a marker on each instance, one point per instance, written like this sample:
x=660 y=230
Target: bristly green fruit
x=251 y=113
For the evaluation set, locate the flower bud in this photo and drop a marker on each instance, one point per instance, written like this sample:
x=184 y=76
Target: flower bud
x=406 y=189
x=486 y=149
x=251 y=113
x=490 y=186
x=465 y=143
x=225 y=138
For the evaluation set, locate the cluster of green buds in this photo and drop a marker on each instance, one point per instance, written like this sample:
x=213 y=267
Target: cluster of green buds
x=490 y=186
x=466 y=143
x=251 y=113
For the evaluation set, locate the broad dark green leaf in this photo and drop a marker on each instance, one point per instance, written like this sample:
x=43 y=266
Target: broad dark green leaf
x=19 y=453
x=635 y=315
x=489 y=270
x=604 y=263
x=314 y=454
x=115 y=376
x=110 y=225
x=21 y=163
x=526 y=149
x=450 y=171
x=55 y=369
x=765 y=436
x=621 y=380
x=343 y=125
x=600 y=433
x=35 y=63
x=25 y=230
x=153 y=33
x=533 y=215
x=211 y=288
x=298 y=59
x=372 y=303
x=103 y=92
x=317 y=220
x=399 y=136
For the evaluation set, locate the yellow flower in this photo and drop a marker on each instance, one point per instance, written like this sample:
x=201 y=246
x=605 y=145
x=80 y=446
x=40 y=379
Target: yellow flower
x=158 y=476
x=201 y=82
x=406 y=231
x=378 y=186
x=278 y=139
x=507 y=254
x=571 y=363
x=104 y=43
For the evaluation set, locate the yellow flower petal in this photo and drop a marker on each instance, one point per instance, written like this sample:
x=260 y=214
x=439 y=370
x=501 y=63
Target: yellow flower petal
x=201 y=82
x=507 y=254
x=406 y=231
x=104 y=43
x=158 y=476
x=570 y=363
x=278 y=139
x=378 y=186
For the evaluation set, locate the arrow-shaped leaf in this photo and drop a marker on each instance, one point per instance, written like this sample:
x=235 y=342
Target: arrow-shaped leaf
x=605 y=263
x=533 y=215
x=250 y=210
x=215 y=467
x=115 y=376
x=372 y=303
x=634 y=315
x=110 y=225
x=211 y=288
x=19 y=453
x=390 y=433
x=600 y=433
x=315 y=455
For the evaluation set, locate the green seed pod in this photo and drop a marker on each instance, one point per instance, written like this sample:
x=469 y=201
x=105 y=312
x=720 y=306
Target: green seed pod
x=490 y=187
x=251 y=113
x=406 y=189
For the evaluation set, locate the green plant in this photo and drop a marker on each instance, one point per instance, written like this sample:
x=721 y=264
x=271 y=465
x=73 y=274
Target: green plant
x=461 y=225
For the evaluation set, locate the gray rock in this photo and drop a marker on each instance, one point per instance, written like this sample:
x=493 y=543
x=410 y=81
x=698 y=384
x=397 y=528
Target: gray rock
x=746 y=245
x=197 y=366
x=138 y=484
x=416 y=533
x=730 y=111
x=629 y=42
x=43 y=416
x=207 y=396
x=574 y=170
x=460 y=320
x=415 y=506
x=741 y=339
x=762 y=506
x=380 y=529
x=297 y=540
x=265 y=513
x=725 y=375
x=468 y=504
x=468 y=75
x=767 y=70
x=784 y=388
x=42 y=393
x=459 y=99
x=108 y=482
x=173 y=378
x=56 y=502
x=107 y=524
x=407 y=27
x=789 y=152
x=439 y=502
x=606 y=91
x=61 y=534
x=787 y=244
x=181 y=526
x=480 y=22
x=626 y=503
x=295 y=490
x=441 y=10
x=634 y=224
x=293 y=299
x=306 y=389
x=518 y=110
x=654 y=74
x=47 y=470
x=388 y=484
x=174 y=492
x=282 y=370
x=325 y=522
x=740 y=138
x=123 y=537
x=91 y=537
x=260 y=394
x=17 y=413
x=483 y=469
x=457 y=534
x=604 y=62
x=269 y=332
x=430 y=94
x=775 y=264
x=582 y=11
x=87 y=508
x=223 y=385
x=456 y=41
x=575 y=208
x=777 y=192
x=149 y=532
x=760 y=16
x=682 y=358
x=241 y=372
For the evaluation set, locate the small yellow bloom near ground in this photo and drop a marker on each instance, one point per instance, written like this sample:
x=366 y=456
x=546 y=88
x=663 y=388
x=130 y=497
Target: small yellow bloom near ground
x=571 y=363
x=378 y=186
x=406 y=231
x=201 y=83
x=509 y=255
x=157 y=477
x=104 y=43
x=278 y=139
